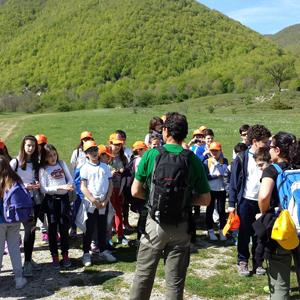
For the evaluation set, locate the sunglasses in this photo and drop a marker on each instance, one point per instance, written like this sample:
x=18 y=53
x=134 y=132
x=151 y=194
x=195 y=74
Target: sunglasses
x=243 y=134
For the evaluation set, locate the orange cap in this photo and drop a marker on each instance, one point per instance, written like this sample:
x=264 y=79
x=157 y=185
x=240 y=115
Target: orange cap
x=215 y=146
x=89 y=144
x=233 y=223
x=202 y=129
x=41 y=139
x=196 y=132
x=102 y=149
x=2 y=144
x=86 y=134
x=115 y=139
x=139 y=145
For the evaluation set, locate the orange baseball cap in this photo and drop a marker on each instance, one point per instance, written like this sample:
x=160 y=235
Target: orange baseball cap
x=89 y=144
x=139 y=145
x=202 y=129
x=197 y=132
x=86 y=134
x=233 y=223
x=102 y=149
x=41 y=139
x=2 y=144
x=115 y=139
x=215 y=146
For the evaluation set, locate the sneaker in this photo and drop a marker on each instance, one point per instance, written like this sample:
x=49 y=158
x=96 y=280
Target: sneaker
x=66 y=262
x=55 y=262
x=222 y=236
x=243 y=268
x=86 y=260
x=94 y=248
x=107 y=256
x=211 y=235
x=110 y=247
x=45 y=237
x=73 y=233
x=35 y=266
x=20 y=282
x=260 y=271
x=123 y=241
x=27 y=269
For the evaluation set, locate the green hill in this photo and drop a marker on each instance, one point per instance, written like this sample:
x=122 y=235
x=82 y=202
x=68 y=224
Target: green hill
x=289 y=38
x=76 y=54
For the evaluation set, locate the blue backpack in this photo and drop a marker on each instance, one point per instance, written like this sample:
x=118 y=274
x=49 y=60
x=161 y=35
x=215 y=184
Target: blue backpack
x=288 y=186
x=17 y=204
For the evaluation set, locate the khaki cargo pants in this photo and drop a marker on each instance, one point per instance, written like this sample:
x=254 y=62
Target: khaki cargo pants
x=173 y=243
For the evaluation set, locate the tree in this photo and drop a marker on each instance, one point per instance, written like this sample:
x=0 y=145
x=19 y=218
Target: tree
x=281 y=70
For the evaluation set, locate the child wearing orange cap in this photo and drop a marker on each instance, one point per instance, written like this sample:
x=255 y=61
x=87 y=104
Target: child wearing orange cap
x=42 y=140
x=118 y=164
x=96 y=186
x=4 y=151
x=78 y=159
x=216 y=167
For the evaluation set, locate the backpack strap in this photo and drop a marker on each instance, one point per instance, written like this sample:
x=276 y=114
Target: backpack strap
x=17 y=164
x=277 y=167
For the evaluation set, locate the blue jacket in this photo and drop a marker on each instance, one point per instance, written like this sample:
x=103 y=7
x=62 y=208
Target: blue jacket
x=238 y=178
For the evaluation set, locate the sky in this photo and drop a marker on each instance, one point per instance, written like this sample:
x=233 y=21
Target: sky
x=263 y=16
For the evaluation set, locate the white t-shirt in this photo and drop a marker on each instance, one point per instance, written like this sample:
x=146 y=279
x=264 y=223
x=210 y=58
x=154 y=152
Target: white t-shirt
x=78 y=158
x=252 y=180
x=97 y=178
x=52 y=177
x=26 y=175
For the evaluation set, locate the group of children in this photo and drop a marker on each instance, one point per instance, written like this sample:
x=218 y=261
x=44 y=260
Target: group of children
x=93 y=195
x=98 y=183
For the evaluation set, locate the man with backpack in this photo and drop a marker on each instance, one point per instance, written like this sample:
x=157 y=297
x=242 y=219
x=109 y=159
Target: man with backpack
x=172 y=180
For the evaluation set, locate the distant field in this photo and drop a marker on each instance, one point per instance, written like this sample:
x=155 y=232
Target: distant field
x=230 y=111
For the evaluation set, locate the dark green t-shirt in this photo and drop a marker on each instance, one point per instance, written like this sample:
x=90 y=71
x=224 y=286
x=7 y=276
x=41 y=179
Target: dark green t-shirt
x=198 y=179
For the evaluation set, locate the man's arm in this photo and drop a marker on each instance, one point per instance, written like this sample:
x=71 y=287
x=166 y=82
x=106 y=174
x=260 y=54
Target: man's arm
x=202 y=199
x=137 y=189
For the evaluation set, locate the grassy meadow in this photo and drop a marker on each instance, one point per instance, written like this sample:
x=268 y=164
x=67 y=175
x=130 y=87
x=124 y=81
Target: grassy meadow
x=230 y=111
x=212 y=272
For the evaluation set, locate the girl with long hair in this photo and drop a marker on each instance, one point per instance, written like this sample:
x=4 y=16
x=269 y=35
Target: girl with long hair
x=26 y=165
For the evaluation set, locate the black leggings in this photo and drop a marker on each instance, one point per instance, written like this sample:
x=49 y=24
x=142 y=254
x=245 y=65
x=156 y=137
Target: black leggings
x=220 y=196
x=29 y=236
x=100 y=221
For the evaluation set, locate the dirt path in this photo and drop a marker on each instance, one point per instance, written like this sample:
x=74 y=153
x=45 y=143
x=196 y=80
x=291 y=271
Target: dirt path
x=7 y=126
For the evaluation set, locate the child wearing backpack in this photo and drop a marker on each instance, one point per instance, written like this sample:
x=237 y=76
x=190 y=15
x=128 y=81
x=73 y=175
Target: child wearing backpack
x=56 y=181
x=118 y=164
x=78 y=159
x=96 y=187
x=26 y=165
x=10 y=232
x=216 y=167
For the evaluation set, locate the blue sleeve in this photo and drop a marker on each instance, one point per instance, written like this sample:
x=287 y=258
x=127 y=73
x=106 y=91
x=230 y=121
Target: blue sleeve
x=235 y=181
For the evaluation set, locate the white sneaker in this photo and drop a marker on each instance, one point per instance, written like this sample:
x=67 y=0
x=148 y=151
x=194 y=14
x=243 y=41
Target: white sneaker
x=211 y=235
x=222 y=236
x=20 y=282
x=86 y=260
x=107 y=256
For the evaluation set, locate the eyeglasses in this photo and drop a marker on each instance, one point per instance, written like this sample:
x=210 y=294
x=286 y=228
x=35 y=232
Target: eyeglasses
x=92 y=149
